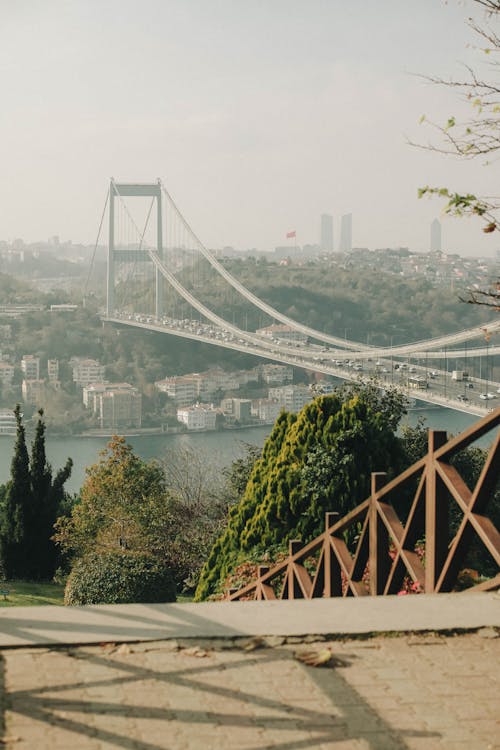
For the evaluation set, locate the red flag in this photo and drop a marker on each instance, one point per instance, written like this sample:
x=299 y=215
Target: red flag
x=291 y=235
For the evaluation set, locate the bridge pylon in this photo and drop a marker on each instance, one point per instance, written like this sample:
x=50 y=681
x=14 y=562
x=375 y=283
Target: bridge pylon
x=123 y=190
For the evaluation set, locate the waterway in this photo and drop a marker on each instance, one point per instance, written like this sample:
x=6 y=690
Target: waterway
x=219 y=448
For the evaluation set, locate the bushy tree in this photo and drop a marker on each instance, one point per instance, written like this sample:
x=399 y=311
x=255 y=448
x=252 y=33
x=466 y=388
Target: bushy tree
x=118 y=577
x=168 y=512
x=316 y=461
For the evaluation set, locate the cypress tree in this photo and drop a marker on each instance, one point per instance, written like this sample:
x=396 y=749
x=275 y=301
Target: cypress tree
x=17 y=499
x=32 y=503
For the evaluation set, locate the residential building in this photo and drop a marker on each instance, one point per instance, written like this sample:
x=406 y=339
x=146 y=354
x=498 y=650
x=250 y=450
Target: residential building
x=199 y=386
x=8 y=425
x=53 y=370
x=63 y=308
x=266 y=409
x=16 y=311
x=92 y=392
x=198 y=417
x=326 y=233
x=291 y=397
x=87 y=371
x=240 y=409
x=30 y=366
x=215 y=381
x=276 y=374
x=119 y=407
x=33 y=391
x=183 y=389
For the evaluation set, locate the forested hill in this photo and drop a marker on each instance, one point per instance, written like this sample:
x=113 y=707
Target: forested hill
x=355 y=302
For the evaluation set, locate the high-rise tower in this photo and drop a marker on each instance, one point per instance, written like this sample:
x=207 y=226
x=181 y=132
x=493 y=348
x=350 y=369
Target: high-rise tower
x=346 y=233
x=436 y=235
x=326 y=238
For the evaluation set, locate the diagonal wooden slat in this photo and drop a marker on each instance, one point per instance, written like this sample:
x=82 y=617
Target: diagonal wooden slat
x=492 y=585
x=409 y=559
x=482 y=525
x=302 y=581
x=454 y=482
x=361 y=553
x=439 y=483
x=413 y=531
x=488 y=478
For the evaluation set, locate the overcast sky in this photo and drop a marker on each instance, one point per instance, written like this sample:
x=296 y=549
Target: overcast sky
x=259 y=115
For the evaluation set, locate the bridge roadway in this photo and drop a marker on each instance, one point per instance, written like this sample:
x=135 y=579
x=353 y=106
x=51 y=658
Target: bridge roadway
x=441 y=390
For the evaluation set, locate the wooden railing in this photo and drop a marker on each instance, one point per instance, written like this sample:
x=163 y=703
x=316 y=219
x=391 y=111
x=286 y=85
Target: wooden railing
x=371 y=551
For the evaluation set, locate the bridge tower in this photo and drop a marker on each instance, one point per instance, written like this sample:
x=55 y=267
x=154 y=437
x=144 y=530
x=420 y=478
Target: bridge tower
x=122 y=190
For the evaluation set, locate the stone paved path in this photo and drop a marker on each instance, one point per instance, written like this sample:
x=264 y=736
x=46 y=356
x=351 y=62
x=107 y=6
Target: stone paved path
x=408 y=692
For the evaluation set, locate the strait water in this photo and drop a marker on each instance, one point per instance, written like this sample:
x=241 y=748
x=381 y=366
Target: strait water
x=219 y=448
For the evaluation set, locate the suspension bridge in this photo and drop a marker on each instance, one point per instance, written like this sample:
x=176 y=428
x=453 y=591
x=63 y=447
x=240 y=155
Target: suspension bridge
x=161 y=277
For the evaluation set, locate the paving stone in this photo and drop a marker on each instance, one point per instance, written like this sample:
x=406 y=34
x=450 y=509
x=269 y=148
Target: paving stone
x=387 y=696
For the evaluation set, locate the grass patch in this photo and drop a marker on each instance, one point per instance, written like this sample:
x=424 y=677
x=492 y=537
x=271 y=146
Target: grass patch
x=27 y=594
x=185 y=598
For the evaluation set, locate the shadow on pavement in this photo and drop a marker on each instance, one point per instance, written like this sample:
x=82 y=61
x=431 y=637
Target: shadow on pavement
x=105 y=696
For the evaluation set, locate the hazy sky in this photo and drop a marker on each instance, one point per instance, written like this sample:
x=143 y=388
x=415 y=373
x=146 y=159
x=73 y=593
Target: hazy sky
x=259 y=115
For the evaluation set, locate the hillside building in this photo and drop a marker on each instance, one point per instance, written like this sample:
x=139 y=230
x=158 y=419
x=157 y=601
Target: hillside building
x=30 y=366
x=33 y=391
x=87 y=371
x=291 y=397
x=198 y=417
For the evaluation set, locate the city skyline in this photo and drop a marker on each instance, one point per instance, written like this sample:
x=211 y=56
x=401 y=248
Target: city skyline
x=256 y=117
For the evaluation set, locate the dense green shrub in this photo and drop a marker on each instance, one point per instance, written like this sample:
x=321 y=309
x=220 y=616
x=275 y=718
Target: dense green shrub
x=118 y=578
x=316 y=461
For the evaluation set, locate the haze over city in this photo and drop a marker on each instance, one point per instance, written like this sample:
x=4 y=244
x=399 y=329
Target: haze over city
x=258 y=116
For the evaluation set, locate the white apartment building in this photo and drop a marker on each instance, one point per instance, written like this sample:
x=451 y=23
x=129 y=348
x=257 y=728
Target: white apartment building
x=266 y=409
x=114 y=404
x=215 y=381
x=8 y=425
x=119 y=408
x=183 y=389
x=198 y=417
x=53 y=370
x=276 y=374
x=92 y=392
x=291 y=397
x=30 y=366
x=238 y=408
x=33 y=391
x=86 y=371
x=6 y=374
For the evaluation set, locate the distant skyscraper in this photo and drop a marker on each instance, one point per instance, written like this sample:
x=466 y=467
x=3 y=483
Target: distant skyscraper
x=346 y=234
x=436 y=235
x=326 y=240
